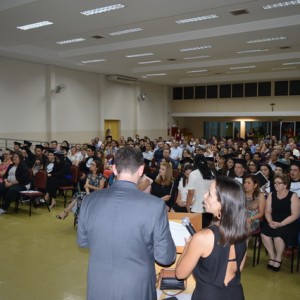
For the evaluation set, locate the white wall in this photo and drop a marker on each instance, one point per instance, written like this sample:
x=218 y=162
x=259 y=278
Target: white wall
x=29 y=110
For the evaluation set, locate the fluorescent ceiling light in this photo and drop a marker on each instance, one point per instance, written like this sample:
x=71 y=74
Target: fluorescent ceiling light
x=139 y=55
x=126 y=31
x=292 y=63
x=92 y=61
x=271 y=39
x=281 y=4
x=158 y=74
x=283 y=68
x=252 y=51
x=149 y=62
x=71 y=41
x=34 y=25
x=196 y=71
x=240 y=68
x=101 y=10
x=197 y=19
x=236 y=72
x=196 y=57
x=195 y=48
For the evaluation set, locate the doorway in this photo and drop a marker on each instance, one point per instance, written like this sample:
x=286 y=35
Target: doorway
x=112 y=127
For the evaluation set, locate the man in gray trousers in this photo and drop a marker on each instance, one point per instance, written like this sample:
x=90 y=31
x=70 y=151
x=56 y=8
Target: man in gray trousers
x=127 y=231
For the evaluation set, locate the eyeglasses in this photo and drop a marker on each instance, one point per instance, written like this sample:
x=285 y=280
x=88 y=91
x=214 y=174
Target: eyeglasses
x=276 y=182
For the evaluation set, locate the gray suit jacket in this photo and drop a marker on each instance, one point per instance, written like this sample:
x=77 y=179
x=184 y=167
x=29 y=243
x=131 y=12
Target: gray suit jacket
x=126 y=231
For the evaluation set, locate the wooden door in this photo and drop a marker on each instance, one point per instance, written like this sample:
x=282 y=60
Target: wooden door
x=112 y=127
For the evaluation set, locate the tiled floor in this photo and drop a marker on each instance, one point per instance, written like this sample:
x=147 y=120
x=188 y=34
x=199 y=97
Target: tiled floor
x=39 y=259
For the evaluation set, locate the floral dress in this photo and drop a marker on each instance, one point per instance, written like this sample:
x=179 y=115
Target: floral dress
x=78 y=196
x=252 y=206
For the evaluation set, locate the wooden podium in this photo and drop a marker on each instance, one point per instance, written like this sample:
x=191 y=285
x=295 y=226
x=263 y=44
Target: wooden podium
x=195 y=219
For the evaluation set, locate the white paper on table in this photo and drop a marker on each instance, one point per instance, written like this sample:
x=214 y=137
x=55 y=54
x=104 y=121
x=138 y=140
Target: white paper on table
x=179 y=233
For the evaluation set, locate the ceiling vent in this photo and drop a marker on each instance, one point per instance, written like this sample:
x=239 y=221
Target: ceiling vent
x=97 y=37
x=122 y=79
x=239 y=12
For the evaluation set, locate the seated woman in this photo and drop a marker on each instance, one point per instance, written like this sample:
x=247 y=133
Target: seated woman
x=7 y=161
x=16 y=179
x=59 y=176
x=269 y=174
x=255 y=202
x=216 y=255
x=163 y=185
x=180 y=205
x=74 y=156
x=280 y=228
x=253 y=166
x=94 y=182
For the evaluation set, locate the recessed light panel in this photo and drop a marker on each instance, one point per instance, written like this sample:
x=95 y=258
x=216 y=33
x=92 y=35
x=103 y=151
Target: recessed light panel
x=126 y=31
x=34 y=25
x=291 y=63
x=271 y=39
x=241 y=68
x=252 y=51
x=92 y=61
x=78 y=40
x=101 y=10
x=196 y=19
x=139 y=55
x=281 y=4
x=149 y=62
x=195 y=48
x=196 y=57
x=196 y=71
x=158 y=74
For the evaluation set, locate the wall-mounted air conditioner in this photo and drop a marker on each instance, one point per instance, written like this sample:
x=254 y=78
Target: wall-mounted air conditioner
x=122 y=79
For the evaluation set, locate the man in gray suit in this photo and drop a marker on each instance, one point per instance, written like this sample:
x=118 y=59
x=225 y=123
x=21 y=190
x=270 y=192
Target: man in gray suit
x=126 y=231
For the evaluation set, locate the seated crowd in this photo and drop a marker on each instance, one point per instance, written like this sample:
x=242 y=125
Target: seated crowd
x=179 y=171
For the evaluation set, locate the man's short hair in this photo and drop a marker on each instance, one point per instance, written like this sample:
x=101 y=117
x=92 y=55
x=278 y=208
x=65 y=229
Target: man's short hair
x=128 y=159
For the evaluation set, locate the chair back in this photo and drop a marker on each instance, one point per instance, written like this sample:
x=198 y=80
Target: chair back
x=40 y=180
x=74 y=173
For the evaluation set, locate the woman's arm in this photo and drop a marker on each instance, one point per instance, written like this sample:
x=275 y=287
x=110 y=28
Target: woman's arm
x=268 y=210
x=144 y=184
x=166 y=197
x=87 y=185
x=100 y=186
x=199 y=245
x=261 y=207
x=295 y=211
x=189 y=199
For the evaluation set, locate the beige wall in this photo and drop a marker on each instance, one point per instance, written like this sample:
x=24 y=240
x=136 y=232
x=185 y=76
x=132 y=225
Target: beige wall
x=30 y=110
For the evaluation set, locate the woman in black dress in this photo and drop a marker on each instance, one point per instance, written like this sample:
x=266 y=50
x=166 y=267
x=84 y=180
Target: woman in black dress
x=163 y=185
x=216 y=254
x=281 y=227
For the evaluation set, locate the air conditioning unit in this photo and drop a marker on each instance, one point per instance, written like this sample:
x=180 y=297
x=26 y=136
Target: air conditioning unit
x=122 y=79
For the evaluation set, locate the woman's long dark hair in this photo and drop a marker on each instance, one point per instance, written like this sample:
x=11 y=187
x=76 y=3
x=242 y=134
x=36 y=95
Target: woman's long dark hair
x=233 y=221
x=184 y=178
x=202 y=166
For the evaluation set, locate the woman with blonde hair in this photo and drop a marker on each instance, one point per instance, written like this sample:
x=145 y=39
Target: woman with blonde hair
x=163 y=185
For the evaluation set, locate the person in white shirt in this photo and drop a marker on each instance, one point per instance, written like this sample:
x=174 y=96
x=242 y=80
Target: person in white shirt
x=148 y=154
x=294 y=149
x=176 y=153
x=199 y=183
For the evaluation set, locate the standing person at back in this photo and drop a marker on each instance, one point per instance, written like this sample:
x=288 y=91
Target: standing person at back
x=127 y=231
x=199 y=182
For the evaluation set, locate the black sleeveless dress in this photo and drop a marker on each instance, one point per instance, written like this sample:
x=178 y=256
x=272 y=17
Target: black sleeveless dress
x=210 y=272
x=281 y=209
